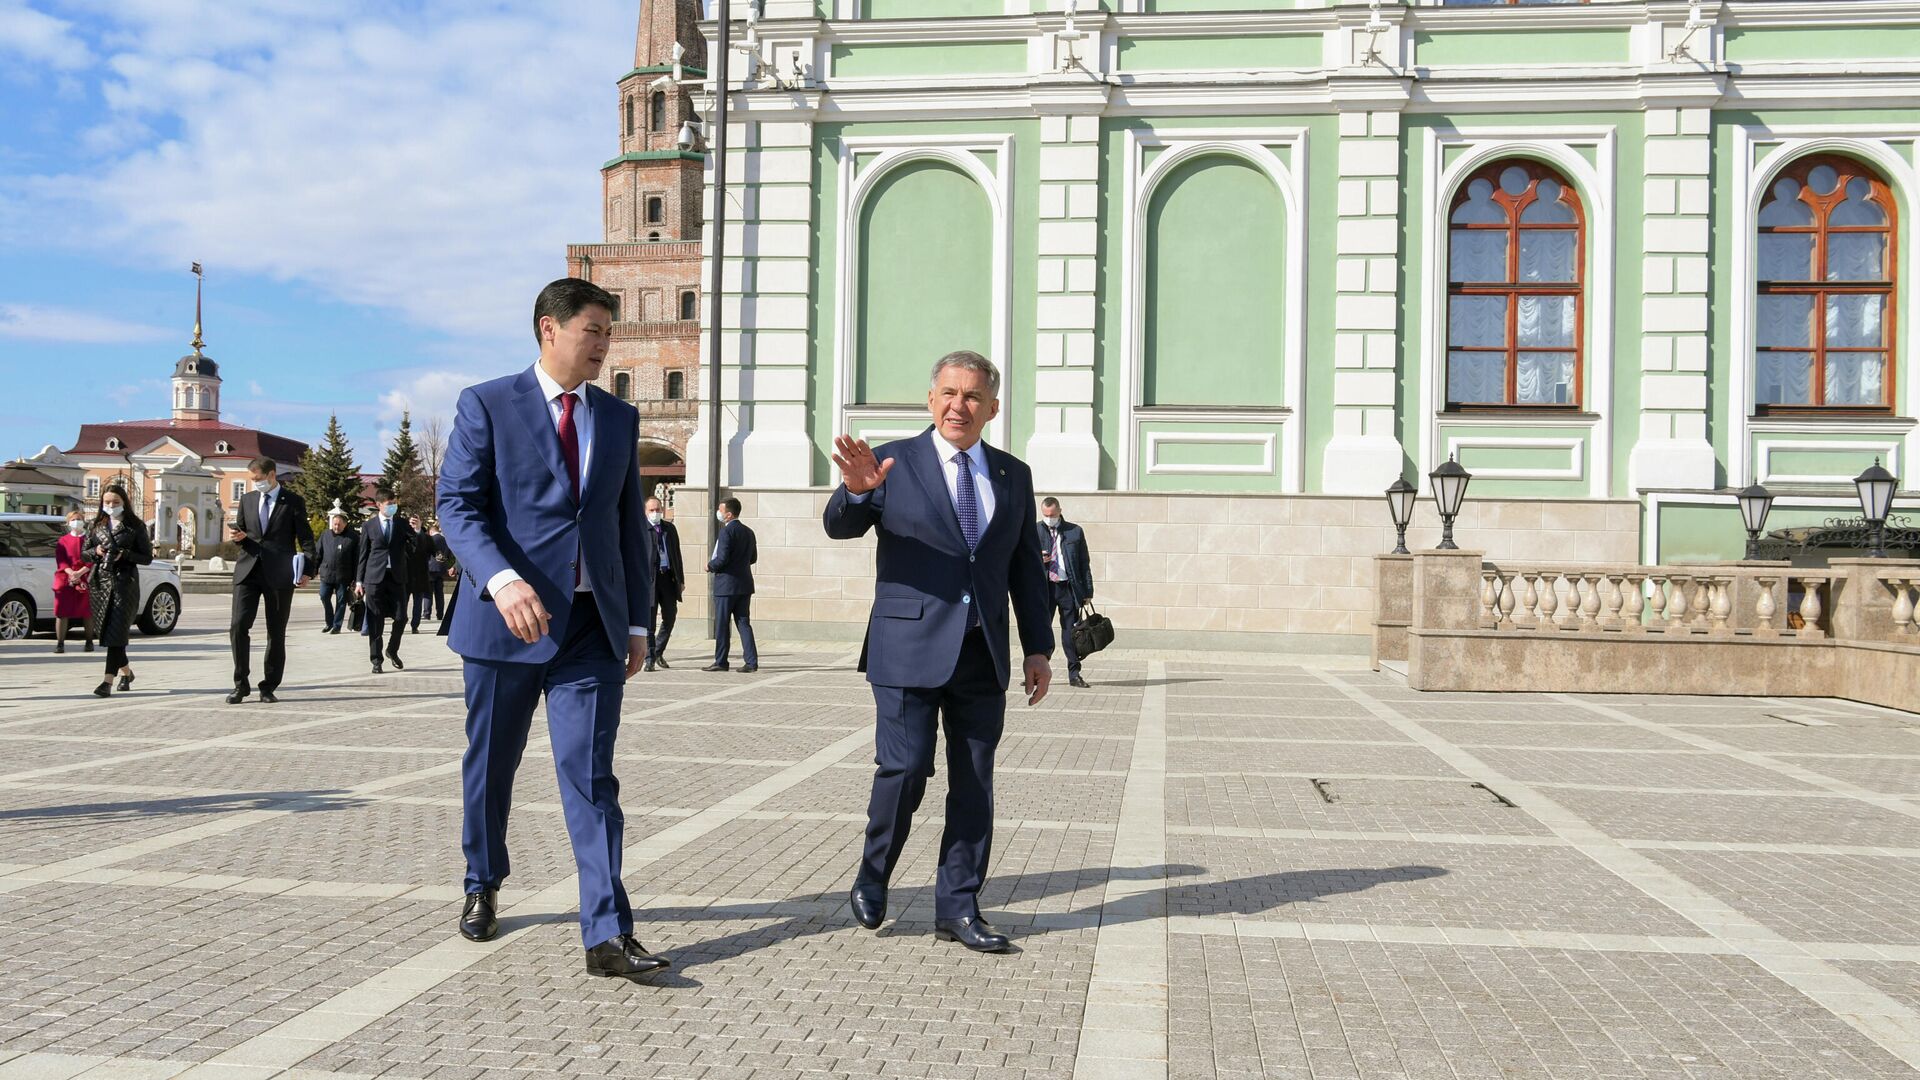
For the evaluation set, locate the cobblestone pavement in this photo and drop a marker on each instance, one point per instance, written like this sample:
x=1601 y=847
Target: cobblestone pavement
x=1213 y=867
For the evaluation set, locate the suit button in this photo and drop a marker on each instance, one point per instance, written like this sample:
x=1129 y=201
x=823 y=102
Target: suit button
x=969 y=558
x=966 y=598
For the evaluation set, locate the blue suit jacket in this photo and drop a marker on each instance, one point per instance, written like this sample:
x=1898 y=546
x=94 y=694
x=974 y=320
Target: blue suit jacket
x=735 y=552
x=505 y=501
x=924 y=569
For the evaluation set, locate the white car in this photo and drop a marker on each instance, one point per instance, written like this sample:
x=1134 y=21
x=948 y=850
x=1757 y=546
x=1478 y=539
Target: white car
x=26 y=580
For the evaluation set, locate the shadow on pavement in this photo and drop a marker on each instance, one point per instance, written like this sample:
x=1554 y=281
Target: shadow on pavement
x=306 y=802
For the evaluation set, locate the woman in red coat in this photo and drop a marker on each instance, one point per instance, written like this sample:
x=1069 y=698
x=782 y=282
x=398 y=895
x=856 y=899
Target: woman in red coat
x=71 y=569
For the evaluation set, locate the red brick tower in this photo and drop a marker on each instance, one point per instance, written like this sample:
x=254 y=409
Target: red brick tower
x=650 y=259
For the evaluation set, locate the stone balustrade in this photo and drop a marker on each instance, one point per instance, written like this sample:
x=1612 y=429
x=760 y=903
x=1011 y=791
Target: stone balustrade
x=1463 y=623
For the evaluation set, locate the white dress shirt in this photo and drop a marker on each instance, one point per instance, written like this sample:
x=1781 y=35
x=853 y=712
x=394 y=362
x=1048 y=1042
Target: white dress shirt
x=976 y=465
x=583 y=432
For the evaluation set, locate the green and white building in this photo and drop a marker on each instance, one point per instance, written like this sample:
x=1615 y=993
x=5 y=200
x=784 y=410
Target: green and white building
x=1621 y=258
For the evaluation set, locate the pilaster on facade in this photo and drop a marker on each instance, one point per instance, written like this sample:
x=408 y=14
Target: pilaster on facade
x=1364 y=455
x=1673 y=451
x=1064 y=452
x=765 y=344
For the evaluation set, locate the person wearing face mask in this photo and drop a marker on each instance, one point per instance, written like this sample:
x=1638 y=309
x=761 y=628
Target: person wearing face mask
x=387 y=544
x=71 y=601
x=118 y=546
x=1063 y=548
x=668 y=584
x=734 y=552
x=419 y=573
x=275 y=538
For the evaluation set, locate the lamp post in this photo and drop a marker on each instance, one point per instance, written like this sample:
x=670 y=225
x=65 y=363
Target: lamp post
x=1755 y=502
x=1400 y=504
x=1876 y=487
x=1449 y=491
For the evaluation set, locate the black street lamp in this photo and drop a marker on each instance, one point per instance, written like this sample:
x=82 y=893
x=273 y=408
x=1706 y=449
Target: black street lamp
x=1755 y=502
x=1400 y=504
x=1876 y=487
x=1449 y=491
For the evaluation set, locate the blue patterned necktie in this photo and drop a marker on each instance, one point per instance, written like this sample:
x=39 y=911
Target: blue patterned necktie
x=966 y=502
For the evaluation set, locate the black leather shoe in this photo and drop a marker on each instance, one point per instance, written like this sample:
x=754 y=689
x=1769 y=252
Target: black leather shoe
x=105 y=689
x=125 y=683
x=973 y=932
x=1075 y=680
x=394 y=659
x=477 y=919
x=714 y=667
x=749 y=669
x=267 y=696
x=236 y=697
x=326 y=629
x=648 y=666
x=624 y=958
x=376 y=668
x=869 y=904
x=662 y=661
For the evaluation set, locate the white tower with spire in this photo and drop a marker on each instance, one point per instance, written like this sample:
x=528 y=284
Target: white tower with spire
x=196 y=378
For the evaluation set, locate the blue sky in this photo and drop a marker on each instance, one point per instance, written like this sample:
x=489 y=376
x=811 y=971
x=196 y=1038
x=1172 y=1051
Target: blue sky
x=377 y=188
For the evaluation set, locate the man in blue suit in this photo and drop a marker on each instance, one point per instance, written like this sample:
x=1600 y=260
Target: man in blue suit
x=540 y=500
x=954 y=546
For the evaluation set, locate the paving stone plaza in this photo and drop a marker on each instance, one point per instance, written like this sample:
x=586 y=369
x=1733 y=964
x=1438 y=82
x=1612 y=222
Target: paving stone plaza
x=1213 y=866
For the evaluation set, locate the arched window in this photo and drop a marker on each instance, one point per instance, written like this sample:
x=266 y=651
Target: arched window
x=1515 y=263
x=689 y=305
x=1825 y=304
x=653 y=238
x=676 y=385
x=615 y=312
x=629 y=117
x=623 y=386
x=657 y=112
x=656 y=209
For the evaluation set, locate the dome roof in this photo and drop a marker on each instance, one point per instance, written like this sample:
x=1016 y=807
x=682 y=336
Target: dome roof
x=196 y=363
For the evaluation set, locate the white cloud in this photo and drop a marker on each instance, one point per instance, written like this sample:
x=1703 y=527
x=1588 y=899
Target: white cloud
x=429 y=158
x=39 y=38
x=424 y=396
x=72 y=326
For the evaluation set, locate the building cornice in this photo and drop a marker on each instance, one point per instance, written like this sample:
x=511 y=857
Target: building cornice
x=654 y=155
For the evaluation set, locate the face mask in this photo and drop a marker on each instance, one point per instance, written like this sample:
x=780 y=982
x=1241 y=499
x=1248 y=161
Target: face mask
x=720 y=516
x=76 y=527
x=656 y=517
x=1051 y=521
x=113 y=512
x=389 y=511
x=261 y=485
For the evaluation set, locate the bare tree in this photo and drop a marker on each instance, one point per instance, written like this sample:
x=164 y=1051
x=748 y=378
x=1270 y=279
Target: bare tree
x=433 y=448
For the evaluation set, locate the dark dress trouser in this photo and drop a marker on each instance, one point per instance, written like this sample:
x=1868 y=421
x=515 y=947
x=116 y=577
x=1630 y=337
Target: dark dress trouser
x=666 y=611
x=730 y=612
x=974 y=709
x=584 y=683
x=247 y=596
x=1068 y=608
x=386 y=601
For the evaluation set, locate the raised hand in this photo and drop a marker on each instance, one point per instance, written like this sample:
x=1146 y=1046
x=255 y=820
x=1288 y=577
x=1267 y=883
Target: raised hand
x=860 y=471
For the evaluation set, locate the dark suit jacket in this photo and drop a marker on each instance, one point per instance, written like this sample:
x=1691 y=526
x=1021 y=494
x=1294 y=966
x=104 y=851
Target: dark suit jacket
x=377 y=549
x=419 y=561
x=925 y=576
x=733 y=557
x=670 y=536
x=1073 y=556
x=339 y=557
x=269 y=546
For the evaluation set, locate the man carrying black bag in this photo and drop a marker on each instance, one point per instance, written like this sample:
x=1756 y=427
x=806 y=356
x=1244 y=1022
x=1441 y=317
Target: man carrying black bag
x=1063 y=548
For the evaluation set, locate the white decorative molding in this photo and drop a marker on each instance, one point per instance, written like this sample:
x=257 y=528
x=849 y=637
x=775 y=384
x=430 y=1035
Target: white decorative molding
x=1157 y=439
x=1255 y=146
x=856 y=183
x=1760 y=153
x=1575 y=446
x=1764 y=449
x=1596 y=182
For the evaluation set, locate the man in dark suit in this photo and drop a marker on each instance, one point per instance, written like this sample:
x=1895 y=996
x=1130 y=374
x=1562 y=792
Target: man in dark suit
x=339 y=562
x=387 y=544
x=955 y=546
x=734 y=552
x=275 y=539
x=667 y=584
x=1063 y=548
x=541 y=498
x=439 y=565
x=419 y=572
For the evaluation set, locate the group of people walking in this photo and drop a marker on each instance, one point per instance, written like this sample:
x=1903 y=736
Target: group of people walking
x=96 y=582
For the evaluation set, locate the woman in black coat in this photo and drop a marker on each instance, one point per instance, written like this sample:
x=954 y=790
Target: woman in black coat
x=118 y=546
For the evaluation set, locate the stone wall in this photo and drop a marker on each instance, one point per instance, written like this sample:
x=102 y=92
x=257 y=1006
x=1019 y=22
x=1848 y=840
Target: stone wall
x=1271 y=573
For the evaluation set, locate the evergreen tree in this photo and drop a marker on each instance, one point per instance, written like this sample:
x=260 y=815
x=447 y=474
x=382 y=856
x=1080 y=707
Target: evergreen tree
x=327 y=473
x=405 y=474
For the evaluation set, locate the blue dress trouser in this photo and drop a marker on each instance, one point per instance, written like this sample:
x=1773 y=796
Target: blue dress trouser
x=974 y=710
x=583 y=684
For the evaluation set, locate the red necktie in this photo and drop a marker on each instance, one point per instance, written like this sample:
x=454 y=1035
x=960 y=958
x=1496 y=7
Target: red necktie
x=570 y=442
